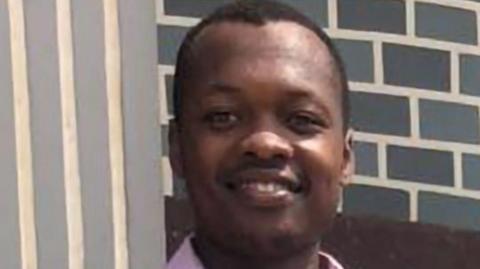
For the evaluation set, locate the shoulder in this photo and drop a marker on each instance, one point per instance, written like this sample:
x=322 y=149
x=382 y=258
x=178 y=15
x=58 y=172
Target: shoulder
x=185 y=257
x=328 y=261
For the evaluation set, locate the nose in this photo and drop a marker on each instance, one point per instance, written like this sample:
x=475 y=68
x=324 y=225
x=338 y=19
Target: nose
x=267 y=145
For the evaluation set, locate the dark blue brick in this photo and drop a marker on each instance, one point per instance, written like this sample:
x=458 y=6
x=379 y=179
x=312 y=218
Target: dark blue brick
x=366 y=159
x=180 y=188
x=420 y=165
x=358 y=58
x=169 y=40
x=457 y=212
x=380 y=113
x=372 y=15
x=192 y=8
x=470 y=74
x=169 y=93
x=471 y=171
x=317 y=10
x=446 y=23
x=416 y=67
x=376 y=201
x=449 y=121
x=164 y=137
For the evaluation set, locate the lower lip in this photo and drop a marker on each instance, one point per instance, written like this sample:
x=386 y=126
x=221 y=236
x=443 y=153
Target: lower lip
x=254 y=198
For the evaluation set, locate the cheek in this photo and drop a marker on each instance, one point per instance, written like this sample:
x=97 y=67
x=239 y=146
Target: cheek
x=203 y=157
x=322 y=159
x=200 y=162
x=322 y=164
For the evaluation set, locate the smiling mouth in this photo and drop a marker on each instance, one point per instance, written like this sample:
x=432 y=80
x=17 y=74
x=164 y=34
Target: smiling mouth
x=264 y=186
x=265 y=189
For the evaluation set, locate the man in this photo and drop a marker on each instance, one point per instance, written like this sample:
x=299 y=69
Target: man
x=261 y=136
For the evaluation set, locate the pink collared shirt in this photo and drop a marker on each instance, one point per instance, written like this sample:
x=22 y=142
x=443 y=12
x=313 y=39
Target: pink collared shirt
x=185 y=258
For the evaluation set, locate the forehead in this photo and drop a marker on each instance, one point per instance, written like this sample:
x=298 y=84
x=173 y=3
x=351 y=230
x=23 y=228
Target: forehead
x=283 y=54
x=275 y=39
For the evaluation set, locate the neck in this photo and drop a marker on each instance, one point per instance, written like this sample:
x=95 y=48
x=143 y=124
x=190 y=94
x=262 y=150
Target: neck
x=214 y=257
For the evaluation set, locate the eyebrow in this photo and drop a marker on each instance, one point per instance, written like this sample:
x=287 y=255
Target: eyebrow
x=220 y=87
x=299 y=93
x=293 y=91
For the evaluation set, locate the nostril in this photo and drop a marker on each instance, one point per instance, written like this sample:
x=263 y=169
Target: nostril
x=267 y=145
x=298 y=188
x=273 y=161
x=230 y=186
x=280 y=157
x=250 y=154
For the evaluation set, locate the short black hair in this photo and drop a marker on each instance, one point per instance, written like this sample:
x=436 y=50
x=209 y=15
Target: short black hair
x=259 y=13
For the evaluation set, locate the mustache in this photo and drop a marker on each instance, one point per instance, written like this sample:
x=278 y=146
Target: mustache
x=288 y=169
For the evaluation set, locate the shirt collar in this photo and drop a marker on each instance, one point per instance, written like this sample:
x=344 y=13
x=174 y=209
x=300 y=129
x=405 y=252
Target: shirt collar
x=185 y=258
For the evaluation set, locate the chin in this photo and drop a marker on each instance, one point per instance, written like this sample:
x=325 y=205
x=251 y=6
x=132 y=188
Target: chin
x=266 y=242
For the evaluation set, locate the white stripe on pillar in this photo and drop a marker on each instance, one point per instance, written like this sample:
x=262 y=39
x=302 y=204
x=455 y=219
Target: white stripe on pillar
x=115 y=127
x=22 y=135
x=70 y=141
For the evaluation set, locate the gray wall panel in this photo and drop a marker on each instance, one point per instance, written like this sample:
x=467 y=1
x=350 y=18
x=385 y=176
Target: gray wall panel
x=142 y=134
x=92 y=123
x=9 y=232
x=46 y=134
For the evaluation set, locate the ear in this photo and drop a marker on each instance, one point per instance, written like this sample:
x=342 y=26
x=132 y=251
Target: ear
x=174 y=152
x=348 y=159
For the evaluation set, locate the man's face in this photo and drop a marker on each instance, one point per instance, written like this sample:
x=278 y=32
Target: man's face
x=261 y=142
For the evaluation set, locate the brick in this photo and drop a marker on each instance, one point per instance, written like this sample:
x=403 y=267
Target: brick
x=380 y=113
x=453 y=211
x=416 y=67
x=440 y=120
x=470 y=74
x=471 y=171
x=191 y=8
x=180 y=188
x=366 y=159
x=169 y=93
x=317 y=10
x=420 y=165
x=164 y=137
x=169 y=40
x=376 y=201
x=445 y=23
x=354 y=52
x=372 y=15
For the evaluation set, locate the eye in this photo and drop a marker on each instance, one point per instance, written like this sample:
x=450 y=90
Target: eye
x=221 y=120
x=304 y=123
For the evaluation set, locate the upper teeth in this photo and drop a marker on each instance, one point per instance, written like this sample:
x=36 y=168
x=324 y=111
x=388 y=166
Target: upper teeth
x=265 y=187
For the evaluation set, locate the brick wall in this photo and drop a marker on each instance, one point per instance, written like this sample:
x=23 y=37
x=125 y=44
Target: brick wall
x=414 y=70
